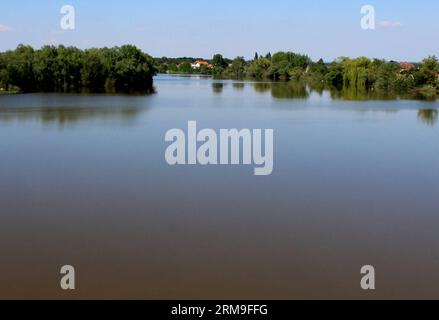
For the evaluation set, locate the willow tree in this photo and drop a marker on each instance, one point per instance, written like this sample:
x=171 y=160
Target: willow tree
x=355 y=73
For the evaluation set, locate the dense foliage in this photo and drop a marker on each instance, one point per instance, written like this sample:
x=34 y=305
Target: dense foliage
x=68 y=69
x=182 y=65
x=351 y=75
x=363 y=74
x=127 y=69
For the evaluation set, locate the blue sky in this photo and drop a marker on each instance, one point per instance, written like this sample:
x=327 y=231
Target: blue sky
x=407 y=30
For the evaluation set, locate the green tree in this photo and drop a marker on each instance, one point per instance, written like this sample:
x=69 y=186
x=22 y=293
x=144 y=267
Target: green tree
x=19 y=68
x=319 y=68
x=64 y=69
x=219 y=62
x=133 y=69
x=45 y=69
x=185 y=67
x=428 y=72
x=259 y=69
x=287 y=64
x=383 y=75
x=94 y=72
x=355 y=73
x=334 y=76
x=237 y=68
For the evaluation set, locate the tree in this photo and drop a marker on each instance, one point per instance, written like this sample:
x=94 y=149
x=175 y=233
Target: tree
x=286 y=64
x=258 y=69
x=19 y=68
x=319 y=68
x=237 y=68
x=334 y=76
x=45 y=69
x=65 y=69
x=382 y=75
x=428 y=72
x=133 y=69
x=219 y=62
x=355 y=73
x=185 y=67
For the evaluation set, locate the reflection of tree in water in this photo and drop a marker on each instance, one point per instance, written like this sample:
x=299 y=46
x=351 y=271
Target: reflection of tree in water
x=354 y=94
x=428 y=116
x=262 y=87
x=239 y=86
x=64 y=115
x=217 y=87
x=289 y=90
x=317 y=86
x=351 y=93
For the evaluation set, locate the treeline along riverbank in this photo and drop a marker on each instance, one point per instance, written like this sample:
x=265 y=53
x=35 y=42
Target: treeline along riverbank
x=128 y=69
x=357 y=76
x=69 y=69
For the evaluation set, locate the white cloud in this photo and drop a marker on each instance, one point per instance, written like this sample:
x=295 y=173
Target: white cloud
x=4 y=28
x=389 y=24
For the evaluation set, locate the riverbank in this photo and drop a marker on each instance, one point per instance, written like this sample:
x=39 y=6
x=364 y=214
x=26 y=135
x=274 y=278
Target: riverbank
x=354 y=75
x=4 y=93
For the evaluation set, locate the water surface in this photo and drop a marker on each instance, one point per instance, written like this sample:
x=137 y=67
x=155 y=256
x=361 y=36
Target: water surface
x=83 y=181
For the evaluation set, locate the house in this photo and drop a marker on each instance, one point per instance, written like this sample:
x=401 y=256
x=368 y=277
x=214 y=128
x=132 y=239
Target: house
x=197 y=64
x=406 y=66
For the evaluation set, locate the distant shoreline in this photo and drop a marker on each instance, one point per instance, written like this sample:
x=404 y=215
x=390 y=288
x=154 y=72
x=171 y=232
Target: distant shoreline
x=127 y=69
x=185 y=75
x=8 y=93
